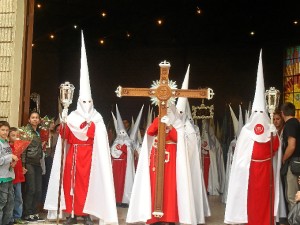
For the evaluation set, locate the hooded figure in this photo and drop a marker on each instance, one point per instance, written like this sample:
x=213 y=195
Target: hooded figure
x=122 y=162
x=87 y=187
x=249 y=191
x=179 y=202
x=193 y=145
x=237 y=126
x=211 y=150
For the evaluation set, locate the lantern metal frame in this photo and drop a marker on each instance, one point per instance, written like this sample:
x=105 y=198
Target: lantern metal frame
x=272 y=99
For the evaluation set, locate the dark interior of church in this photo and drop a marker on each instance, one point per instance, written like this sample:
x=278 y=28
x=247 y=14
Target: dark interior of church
x=127 y=39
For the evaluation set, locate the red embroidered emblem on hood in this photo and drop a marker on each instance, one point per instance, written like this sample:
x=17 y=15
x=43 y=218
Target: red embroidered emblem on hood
x=259 y=129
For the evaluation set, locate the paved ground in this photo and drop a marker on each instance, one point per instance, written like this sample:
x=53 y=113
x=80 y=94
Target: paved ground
x=217 y=210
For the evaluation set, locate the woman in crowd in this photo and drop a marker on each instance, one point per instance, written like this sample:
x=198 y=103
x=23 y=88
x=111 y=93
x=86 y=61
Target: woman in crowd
x=279 y=123
x=31 y=161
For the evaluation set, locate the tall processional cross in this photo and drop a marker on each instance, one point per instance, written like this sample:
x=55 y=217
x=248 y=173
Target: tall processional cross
x=163 y=93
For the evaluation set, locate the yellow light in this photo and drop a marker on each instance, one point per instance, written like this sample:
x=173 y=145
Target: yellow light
x=52 y=36
x=103 y=14
x=252 y=33
x=198 y=10
x=102 y=41
x=295 y=22
x=39 y=5
x=32 y=45
x=159 y=22
x=128 y=35
x=75 y=26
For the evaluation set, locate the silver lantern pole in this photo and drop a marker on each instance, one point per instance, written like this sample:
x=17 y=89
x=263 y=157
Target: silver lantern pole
x=66 y=91
x=272 y=98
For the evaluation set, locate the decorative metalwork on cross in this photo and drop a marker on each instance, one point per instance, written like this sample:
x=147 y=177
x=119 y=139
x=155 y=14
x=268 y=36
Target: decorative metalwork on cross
x=163 y=92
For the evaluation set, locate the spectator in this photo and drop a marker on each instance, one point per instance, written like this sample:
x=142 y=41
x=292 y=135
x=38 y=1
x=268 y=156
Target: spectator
x=17 y=182
x=31 y=161
x=291 y=149
x=279 y=123
x=127 y=125
x=7 y=162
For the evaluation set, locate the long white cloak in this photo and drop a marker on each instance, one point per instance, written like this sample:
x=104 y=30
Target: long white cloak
x=236 y=207
x=204 y=192
x=200 y=196
x=230 y=154
x=217 y=163
x=100 y=200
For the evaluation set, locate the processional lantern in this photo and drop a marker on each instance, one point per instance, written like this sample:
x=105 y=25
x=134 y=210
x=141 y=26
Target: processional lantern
x=36 y=98
x=272 y=98
x=202 y=112
x=66 y=91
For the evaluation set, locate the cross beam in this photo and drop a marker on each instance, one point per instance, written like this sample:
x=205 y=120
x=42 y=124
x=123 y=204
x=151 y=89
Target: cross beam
x=163 y=93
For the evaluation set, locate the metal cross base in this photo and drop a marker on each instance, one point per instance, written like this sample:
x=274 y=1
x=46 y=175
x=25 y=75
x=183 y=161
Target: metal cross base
x=158 y=214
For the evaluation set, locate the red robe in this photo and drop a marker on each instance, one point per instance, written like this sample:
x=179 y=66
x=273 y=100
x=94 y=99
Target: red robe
x=206 y=165
x=258 y=204
x=170 y=208
x=119 y=171
x=77 y=169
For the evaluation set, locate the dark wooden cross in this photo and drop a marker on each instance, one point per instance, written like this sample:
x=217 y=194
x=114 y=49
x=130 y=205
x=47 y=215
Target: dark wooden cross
x=163 y=93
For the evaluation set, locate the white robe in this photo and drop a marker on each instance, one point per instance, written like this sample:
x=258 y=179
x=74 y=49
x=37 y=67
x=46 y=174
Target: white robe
x=217 y=163
x=230 y=154
x=204 y=192
x=100 y=200
x=202 y=208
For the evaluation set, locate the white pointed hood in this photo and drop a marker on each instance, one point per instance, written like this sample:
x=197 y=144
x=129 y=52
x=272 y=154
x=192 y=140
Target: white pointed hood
x=241 y=123
x=135 y=129
x=181 y=102
x=235 y=121
x=120 y=124
x=85 y=104
x=259 y=121
x=131 y=126
x=115 y=122
x=259 y=102
x=85 y=111
x=246 y=116
x=188 y=112
x=149 y=117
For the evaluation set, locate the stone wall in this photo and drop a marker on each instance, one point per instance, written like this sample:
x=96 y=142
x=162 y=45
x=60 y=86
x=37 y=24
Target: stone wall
x=11 y=39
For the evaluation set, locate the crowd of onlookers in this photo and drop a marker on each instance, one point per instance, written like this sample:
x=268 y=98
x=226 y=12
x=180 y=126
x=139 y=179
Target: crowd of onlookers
x=24 y=175
x=288 y=128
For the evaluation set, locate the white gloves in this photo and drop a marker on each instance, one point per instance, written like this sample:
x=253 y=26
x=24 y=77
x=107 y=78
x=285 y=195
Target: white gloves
x=166 y=120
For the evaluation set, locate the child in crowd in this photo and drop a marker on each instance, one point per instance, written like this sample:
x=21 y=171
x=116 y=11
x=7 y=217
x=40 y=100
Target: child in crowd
x=7 y=162
x=19 y=178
